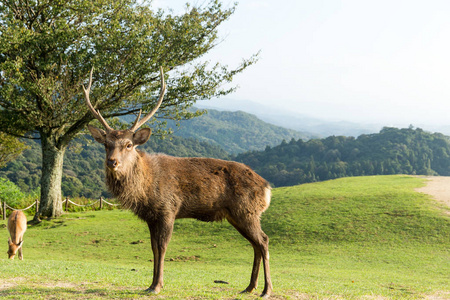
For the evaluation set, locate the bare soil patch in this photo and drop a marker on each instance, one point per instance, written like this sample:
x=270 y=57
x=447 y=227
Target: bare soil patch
x=11 y=282
x=439 y=188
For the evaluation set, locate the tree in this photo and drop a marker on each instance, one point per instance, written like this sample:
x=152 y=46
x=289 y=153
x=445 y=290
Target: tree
x=10 y=193
x=47 y=48
x=10 y=148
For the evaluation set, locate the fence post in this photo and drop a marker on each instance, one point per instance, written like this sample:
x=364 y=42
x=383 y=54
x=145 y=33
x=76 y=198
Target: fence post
x=67 y=201
x=4 y=210
x=101 y=203
x=36 y=215
x=1 y=207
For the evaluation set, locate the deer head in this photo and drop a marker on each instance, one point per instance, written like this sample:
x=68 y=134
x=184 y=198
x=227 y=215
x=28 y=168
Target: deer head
x=120 y=145
x=13 y=247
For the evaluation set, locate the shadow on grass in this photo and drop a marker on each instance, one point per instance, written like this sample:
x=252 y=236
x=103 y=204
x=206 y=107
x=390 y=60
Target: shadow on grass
x=80 y=292
x=19 y=292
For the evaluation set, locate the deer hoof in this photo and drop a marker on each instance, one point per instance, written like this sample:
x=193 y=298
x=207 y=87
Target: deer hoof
x=265 y=295
x=247 y=291
x=151 y=290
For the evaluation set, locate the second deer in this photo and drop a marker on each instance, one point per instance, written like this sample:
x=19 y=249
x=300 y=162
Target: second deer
x=17 y=225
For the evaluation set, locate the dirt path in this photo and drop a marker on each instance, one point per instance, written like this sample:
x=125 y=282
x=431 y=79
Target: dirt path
x=439 y=188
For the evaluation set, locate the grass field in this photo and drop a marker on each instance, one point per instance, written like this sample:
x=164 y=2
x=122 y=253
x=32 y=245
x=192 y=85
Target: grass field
x=351 y=238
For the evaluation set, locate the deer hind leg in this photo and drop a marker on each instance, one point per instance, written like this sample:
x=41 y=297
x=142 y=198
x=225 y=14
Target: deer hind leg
x=251 y=230
x=160 y=233
x=256 y=262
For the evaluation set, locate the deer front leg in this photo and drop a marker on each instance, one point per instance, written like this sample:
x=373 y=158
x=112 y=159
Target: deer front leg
x=161 y=233
x=155 y=258
x=20 y=253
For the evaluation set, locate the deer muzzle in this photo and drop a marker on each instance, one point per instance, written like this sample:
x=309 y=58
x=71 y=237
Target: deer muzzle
x=112 y=164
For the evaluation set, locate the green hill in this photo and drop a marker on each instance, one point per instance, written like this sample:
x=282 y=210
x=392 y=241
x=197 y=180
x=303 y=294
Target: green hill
x=392 y=151
x=205 y=136
x=235 y=132
x=366 y=210
x=351 y=238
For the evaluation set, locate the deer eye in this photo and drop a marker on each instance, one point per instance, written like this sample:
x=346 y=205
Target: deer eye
x=129 y=146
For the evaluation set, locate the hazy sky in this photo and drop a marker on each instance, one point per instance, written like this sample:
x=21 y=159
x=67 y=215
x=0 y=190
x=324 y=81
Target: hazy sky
x=357 y=60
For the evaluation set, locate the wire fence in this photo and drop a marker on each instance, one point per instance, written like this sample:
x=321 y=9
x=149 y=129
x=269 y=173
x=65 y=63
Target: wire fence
x=4 y=206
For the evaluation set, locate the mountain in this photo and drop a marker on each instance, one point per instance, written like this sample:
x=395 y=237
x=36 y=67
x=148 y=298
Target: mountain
x=235 y=132
x=391 y=151
x=309 y=126
x=282 y=156
x=206 y=136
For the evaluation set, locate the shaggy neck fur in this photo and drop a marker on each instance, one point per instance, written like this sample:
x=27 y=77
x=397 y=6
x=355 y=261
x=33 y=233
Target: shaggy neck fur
x=129 y=184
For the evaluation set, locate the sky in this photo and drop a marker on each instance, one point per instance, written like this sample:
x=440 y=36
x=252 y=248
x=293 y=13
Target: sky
x=384 y=61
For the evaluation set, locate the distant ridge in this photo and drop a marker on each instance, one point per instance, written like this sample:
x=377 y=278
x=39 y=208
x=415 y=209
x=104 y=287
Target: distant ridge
x=317 y=127
x=288 y=119
x=236 y=131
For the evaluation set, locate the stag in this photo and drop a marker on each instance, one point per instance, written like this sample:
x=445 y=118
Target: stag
x=159 y=189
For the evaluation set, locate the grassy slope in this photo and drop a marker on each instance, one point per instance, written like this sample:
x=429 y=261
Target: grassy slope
x=348 y=238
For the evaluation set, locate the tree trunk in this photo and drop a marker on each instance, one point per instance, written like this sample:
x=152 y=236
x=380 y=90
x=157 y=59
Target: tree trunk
x=52 y=167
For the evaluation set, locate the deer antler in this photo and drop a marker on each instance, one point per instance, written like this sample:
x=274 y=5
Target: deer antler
x=96 y=113
x=138 y=123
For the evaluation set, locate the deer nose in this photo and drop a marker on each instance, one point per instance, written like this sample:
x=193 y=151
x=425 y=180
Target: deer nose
x=112 y=163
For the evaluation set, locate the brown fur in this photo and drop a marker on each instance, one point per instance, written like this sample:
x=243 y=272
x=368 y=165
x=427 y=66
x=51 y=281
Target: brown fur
x=201 y=188
x=160 y=188
x=17 y=225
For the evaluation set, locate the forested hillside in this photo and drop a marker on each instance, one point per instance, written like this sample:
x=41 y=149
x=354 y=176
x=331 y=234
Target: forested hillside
x=235 y=132
x=83 y=173
x=392 y=151
x=84 y=164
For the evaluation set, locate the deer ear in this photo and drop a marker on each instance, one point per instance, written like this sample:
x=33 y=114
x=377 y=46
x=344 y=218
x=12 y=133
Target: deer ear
x=141 y=136
x=98 y=134
x=20 y=244
x=9 y=241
